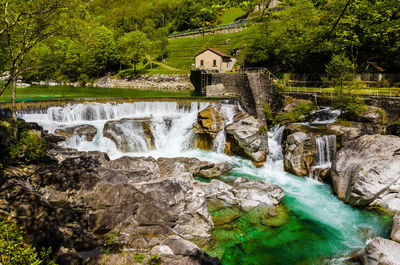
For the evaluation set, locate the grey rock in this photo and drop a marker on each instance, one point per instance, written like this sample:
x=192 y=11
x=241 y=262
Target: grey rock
x=87 y=131
x=161 y=250
x=366 y=168
x=214 y=170
x=300 y=152
x=123 y=133
x=134 y=169
x=246 y=138
x=243 y=193
x=380 y=251
x=395 y=235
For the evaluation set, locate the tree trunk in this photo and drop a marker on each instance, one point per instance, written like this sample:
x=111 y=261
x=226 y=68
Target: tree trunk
x=14 y=107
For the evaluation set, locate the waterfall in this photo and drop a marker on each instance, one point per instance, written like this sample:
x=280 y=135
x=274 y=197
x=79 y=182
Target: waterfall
x=326 y=149
x=138 y=128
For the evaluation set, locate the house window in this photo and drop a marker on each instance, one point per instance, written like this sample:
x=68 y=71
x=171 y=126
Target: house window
x=214 y=63
x=201 y=62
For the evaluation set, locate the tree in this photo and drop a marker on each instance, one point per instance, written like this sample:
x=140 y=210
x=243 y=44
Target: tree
x=161 y=41
x=133 y=48
x=340 y=75
x=25 y=24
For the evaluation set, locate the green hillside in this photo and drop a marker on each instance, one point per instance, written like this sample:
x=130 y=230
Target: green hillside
x=181 y=52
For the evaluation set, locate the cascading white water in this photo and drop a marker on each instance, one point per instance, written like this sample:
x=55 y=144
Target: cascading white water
x=168 y=124
x=320 y=224
x=227 y=113
x=326 y=149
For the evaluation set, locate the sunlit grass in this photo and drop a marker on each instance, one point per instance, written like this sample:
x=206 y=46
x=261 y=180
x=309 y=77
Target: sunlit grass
x=70 y=92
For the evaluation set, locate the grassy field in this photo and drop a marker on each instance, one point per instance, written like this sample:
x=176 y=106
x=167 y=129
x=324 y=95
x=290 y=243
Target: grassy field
x=230 y=16
x=68 y=92
x=181 y=52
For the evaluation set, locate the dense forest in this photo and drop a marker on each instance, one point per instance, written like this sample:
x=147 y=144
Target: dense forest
x=86 y=40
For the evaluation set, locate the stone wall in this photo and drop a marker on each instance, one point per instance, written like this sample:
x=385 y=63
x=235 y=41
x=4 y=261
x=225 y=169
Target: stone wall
x=160 y=82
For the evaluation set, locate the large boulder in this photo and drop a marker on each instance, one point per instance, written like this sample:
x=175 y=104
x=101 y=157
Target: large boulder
x=211 y=170
x=366 y=168
x=380 y=251
x=130 y=135
x=395 y=235
x=209 y=124
x=246 y=137
x=300 y=152
x=87 y=131
x=242 y=193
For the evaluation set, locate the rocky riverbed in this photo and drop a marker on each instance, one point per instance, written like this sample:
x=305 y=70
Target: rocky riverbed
x=100 y=210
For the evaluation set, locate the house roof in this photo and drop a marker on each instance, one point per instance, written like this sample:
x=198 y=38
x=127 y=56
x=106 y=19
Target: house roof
x=216 y=52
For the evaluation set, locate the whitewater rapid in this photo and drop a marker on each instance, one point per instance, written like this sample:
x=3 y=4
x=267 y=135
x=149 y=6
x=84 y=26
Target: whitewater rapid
x=343 y=228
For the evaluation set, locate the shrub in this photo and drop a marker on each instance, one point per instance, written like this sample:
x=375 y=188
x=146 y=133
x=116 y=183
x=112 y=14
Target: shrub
x=263 y=130
x=154 y=260
x=298 y=114
x=29 y=147
x=269 y=116
x=382 y=114
x=14 y=250
x=139 y=257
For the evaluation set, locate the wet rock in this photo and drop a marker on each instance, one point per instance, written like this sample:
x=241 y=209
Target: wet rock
x=124 y=133
x=257 y=193
x=209 y=124
x=246 y=138
x=243 y=193
x=87 y=131
x=211 y=170
x=300 y=152
x=380 y=251
x=395 y=235
x=366 y=168
x=183 y=247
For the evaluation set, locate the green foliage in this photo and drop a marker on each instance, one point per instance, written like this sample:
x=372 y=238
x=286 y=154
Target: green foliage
x=343 y=123
x=381 y=113
x=269 y=116
x=263 y=130
x=339 y=70
x=28 y=148
x=138 y=257
x=298 y=114
x=14 y=250
x=133 y=47
x=394 y=128
x=301 y=38
x=154 y=260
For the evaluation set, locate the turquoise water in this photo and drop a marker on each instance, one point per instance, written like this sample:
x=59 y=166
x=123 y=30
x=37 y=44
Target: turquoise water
x=319 y=225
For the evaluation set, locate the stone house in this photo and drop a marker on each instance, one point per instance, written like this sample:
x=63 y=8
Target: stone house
x=215 y=61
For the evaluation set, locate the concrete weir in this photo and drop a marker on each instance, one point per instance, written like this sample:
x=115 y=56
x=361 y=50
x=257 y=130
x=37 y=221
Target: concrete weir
x=252 y=89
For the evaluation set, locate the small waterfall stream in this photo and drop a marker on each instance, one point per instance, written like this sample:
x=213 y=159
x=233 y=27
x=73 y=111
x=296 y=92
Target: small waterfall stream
x=326 y=149
x=319 y=228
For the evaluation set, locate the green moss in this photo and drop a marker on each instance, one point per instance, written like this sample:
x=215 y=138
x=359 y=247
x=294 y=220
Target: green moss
x=298 y=114
x=263 y=130
x=343 y=123
x=382 y=113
